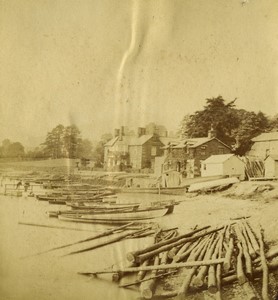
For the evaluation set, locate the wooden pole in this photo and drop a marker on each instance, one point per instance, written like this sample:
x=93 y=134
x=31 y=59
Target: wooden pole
x=51 y=226
x=198 y=281
x=150 y=278
x=218 y=295
x=270 y=254
x=180 y=256
x=131 y=256
x=196 y=255
x=228 y=255
x=171 y=253
x=147 y=287
x=247 y=258
x=252 y=237
x=257 y=271
x=114 y=240
x=251 y=250
x=141 y=274
x=212 y=284
x=142 y=257
x=103 y=234
x=159 y=267
x=264 y=267
x=240 y=273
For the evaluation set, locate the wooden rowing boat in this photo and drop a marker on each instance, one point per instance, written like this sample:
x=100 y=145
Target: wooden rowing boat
x=101 y=205
x=180 y=190
x=119 y=217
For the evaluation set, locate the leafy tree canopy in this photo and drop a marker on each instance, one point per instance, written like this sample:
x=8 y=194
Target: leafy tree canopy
x=235 y=127
x=11 y=150
x=64 y=142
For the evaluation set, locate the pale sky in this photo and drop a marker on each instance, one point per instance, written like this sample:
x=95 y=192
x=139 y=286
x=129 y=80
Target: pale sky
x=105 y=63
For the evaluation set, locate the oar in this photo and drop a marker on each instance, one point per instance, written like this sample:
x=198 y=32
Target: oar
x=108 y=232
x=147 y=279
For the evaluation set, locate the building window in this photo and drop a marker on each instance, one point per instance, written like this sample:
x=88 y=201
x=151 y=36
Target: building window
x=153 y=151
x=221 y=150
x=267 y=152
x=203 y=150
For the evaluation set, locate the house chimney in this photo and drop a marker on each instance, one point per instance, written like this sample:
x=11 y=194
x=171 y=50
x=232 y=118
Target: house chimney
x=122 y=132
x=143 y=131
x=211 y=133
x=116 y=132
x=139 y=131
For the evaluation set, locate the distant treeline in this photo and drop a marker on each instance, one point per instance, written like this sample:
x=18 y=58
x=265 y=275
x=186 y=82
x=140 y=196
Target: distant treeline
x=235 y=127
x=60 y=142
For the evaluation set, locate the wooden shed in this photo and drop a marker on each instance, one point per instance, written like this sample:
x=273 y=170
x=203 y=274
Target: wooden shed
x=271 y=166
x=223 y=164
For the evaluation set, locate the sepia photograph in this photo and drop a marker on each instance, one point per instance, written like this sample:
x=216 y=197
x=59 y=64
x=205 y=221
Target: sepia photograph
x=139 y=149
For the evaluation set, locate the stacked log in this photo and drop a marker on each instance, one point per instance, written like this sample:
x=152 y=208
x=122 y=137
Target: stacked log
x=203 y=258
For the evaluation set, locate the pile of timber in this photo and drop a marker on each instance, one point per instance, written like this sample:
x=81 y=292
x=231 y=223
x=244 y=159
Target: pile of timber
x=254 y=168
x=203 y=259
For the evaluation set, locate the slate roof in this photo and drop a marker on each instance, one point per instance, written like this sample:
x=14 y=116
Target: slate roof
x=267 y=136
x=130 y=140
x=168 y=140
x=196 y=142
x=217 y=159
x=111 y=142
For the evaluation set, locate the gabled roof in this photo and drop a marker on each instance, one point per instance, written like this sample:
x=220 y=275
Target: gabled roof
x=196 y=142
x=266 y=136
x=168 y=140
x=138 y=141
x=111 y=142
x=180 y=145
x=274 y=157
x=218 y=159
x=130 y=140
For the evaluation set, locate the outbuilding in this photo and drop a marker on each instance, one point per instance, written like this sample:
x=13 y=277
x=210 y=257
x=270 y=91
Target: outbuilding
x=223 y=164
x=271 y=166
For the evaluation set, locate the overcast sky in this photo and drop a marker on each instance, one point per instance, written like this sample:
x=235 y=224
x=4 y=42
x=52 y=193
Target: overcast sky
x=105 y=63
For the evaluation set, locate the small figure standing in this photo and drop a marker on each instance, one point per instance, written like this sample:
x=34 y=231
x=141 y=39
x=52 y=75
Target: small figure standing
x=26 y=186
x=18 y=185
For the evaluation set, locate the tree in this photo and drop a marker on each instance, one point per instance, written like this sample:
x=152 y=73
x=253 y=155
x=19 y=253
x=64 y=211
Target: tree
x=16 y=150
x=183 y=131
x=235 y=127
x=273 y=123
x=71 y=141
x=62 y=142
x=11 y=150
x=5 y=147
x=37 y=153
x=215 y=114
x=53 y=145
x=251 y=125
x=98 y=152
x=85 y=149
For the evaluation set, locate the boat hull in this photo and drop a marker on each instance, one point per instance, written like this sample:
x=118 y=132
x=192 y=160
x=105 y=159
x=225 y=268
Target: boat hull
x=155 y=190
x=118 y=217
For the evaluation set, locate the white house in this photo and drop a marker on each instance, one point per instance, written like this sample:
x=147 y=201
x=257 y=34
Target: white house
x=264 y=144
x=223 y=164
x=271 y=166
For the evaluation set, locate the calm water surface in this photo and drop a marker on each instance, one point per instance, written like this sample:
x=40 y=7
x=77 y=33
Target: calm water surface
x=25 y=275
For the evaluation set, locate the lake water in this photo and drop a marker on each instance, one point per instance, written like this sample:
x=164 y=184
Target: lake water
x=27 y=276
